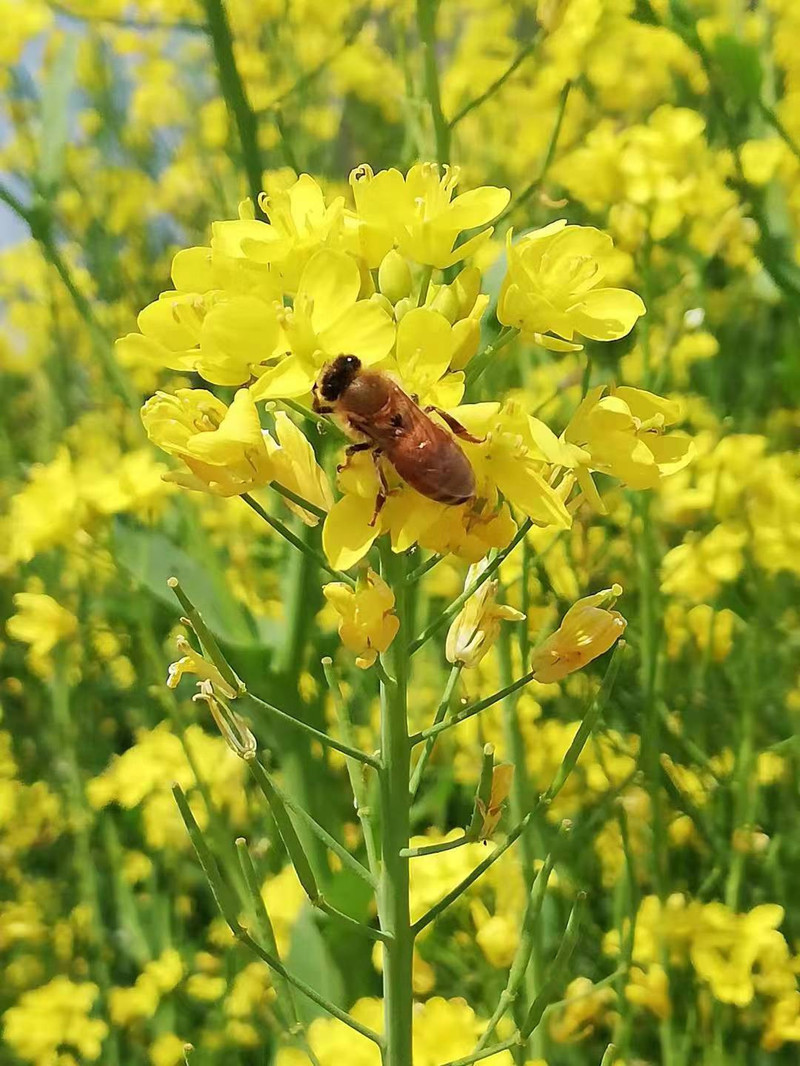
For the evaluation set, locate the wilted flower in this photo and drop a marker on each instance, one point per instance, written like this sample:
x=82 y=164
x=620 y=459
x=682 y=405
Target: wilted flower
x=476 y=627
x=295 y=466
x=553 y=288
x=192 y=662
x=587 y=630
x=491 y=812
x=367 y=625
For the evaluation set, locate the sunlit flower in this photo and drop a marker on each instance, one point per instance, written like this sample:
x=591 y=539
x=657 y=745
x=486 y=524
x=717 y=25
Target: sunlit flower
x=650 y=988
x=54 y=1019
x=476 y=627
x=553 y=288
x=587 y=630
x=295 y=466
x=418 y=215
x=326 y=319
x=223 y=447
x=367 y=625
x=622 y=434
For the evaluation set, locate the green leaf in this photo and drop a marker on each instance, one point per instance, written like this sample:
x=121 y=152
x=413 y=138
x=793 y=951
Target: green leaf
x=310 y=960
x=56 y=99
x=151 y=558
x=740 y=68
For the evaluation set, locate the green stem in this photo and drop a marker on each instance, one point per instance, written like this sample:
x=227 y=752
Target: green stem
x=497 y=84
x=39 y=222
x=295 y=541
x=395 y=805
x=441 y=711
x=436 y=849
x=472 y=710
x=85 y=871
x=459 y=601
x=229 y=908
x=427 y=11
x=480 y=362
x=287 y=494
x=524 y=952
x=317 y=734
x=568 y=763
x=549 y=155
x=519 y=798
x=329 y=841
x=556 y=972
x=357 y=783
x=238 y=105
x=266 y=934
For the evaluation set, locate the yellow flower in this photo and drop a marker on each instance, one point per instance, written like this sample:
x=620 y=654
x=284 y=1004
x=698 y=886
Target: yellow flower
x=55 y=1019
x=650 y=988
x=553 y=288
x=783 y=1022
x=326 y=319
x=223 y=447
x=295 y=466
x=224 y=336
x=167 y=1050
x=476 y=627
x=299 y=224
x=727 y=947
x=622 y=434
x=40 y=622
x=367 y=625
x=418 y=215
x=587 y=630
x=585 y=1008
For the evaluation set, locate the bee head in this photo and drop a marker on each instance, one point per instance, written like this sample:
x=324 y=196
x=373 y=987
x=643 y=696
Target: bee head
x=337 y=376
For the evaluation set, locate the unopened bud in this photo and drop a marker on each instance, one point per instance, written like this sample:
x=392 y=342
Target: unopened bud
x=394 y=276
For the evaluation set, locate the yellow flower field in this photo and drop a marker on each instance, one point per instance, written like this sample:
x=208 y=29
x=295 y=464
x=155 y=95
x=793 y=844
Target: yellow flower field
x=399 y=532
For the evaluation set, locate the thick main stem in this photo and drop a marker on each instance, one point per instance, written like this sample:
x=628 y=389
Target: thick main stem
x=395 y=804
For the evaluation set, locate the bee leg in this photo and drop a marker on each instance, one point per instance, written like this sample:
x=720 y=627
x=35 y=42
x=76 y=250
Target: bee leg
x=383 y=491
x=455 y=425
x=350 y=451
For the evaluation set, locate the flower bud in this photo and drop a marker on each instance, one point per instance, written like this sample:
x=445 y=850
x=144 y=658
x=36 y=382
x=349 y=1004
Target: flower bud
x=587 y=630
x=394 y=276
x=445 y=302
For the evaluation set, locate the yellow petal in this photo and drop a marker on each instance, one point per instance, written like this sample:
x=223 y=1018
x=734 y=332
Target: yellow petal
x=332 y=281
x=606 y=314
x=291 y=377
x=347 y=535
x=424 y=347
x=476 y=208
x=365 y=330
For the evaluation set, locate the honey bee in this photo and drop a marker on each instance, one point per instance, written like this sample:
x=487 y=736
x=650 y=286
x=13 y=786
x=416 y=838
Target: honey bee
x=422 y=452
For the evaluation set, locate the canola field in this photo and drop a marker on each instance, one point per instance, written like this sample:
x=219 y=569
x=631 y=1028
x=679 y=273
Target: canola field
x=399 y=532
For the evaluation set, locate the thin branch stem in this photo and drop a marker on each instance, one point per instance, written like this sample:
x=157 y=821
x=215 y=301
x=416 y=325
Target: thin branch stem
x=459 y=601
x=549 y=155
x=484 y=1053
x=473 y=709
x=331 y=1008
x=497 y=84
x=236 y=100
x=582 y=735
x=426 y=25
x=424 y=569
x=283 y=530
x=323 y=738
x=357 y=783
x=329 y=841
x=430 y=740
x=436 y=849
x=299 y=501
x=480 y=362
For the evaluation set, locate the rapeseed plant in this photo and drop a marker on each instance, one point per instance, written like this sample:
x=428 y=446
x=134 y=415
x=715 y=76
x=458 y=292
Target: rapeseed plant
x=567 y=229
